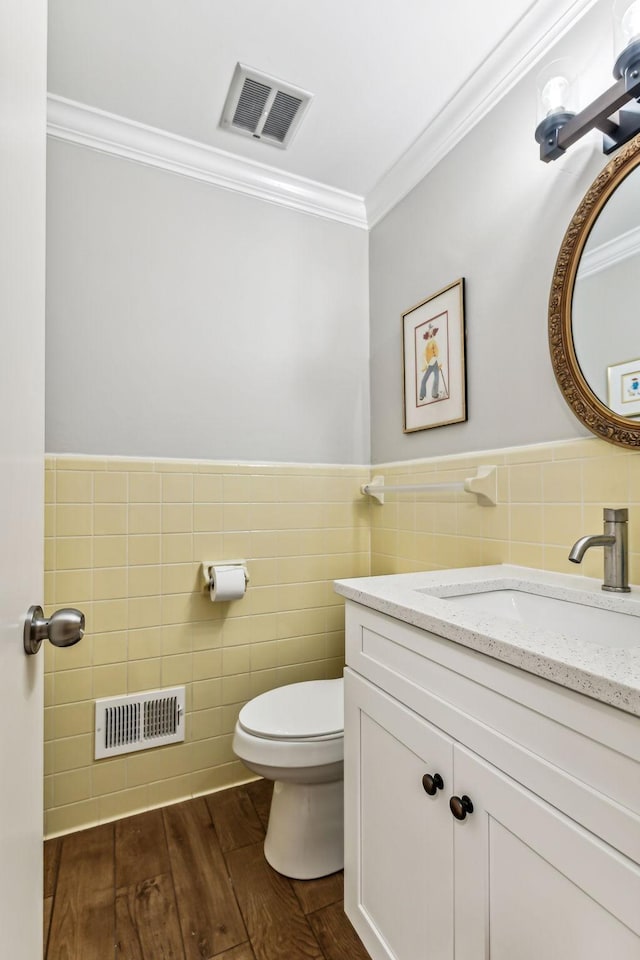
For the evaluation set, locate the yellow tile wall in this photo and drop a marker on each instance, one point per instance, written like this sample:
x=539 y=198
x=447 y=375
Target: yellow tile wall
x=548 y=496
x=124 y=542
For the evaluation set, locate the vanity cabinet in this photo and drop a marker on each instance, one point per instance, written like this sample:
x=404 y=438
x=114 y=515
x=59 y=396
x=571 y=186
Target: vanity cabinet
x=544 y=861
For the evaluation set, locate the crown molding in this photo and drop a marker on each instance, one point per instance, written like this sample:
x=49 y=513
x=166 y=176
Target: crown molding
x=609 y=253
x=79 y=123
x=545 y=22
x=84 y=125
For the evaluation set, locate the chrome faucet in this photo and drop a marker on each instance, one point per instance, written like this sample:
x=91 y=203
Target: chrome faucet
x=616 y=555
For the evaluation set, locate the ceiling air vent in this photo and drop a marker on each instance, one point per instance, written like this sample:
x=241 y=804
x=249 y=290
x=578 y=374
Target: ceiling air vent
x=262 y=107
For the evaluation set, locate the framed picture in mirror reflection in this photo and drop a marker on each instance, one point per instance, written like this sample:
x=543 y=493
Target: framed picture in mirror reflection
x=624 y=388
x=433 y=345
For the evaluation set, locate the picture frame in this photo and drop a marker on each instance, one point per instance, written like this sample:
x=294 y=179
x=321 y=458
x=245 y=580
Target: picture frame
x=623 y=381
x=433 y=360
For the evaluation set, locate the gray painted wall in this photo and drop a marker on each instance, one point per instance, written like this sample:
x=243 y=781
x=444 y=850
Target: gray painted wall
x=188 y=321
x=606 y=328
x=493 y=213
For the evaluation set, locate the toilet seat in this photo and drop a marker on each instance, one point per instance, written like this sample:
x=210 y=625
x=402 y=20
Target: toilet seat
x=310 y=711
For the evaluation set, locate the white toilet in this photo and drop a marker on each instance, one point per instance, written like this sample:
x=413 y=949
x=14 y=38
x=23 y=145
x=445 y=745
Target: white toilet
x=294 y=735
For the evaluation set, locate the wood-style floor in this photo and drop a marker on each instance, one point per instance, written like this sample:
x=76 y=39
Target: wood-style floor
x=188 y=882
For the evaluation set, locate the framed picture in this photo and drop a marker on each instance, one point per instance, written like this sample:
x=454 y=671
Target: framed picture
x=624 y=388
x=433 y=340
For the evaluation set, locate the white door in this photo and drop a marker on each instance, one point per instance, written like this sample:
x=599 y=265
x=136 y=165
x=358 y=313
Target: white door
x=22 y=276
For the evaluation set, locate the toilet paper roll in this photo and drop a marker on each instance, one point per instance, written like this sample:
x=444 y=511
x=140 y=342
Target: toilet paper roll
x=227 y=583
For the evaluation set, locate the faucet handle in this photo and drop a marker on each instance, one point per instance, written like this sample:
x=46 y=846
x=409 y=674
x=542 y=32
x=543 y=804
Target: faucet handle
x=611 y=515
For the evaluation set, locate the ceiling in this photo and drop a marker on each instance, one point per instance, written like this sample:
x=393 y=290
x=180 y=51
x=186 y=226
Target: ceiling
x=384 y=76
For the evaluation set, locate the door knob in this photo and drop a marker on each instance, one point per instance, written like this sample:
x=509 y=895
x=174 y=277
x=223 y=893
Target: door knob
x=64 y=628
x=460 y=806
x=432 y=784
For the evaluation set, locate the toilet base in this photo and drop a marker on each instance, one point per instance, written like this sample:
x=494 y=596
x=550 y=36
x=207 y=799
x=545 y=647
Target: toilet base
x=305 y=836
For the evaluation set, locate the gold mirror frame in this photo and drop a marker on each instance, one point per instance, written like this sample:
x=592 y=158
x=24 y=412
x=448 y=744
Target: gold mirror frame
x=586 y=406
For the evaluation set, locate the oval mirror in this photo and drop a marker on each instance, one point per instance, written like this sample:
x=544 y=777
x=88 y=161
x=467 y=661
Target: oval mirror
x=594 y=336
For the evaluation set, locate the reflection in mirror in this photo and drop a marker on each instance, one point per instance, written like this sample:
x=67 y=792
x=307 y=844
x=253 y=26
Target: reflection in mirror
x=594 y=337
x=604 y=323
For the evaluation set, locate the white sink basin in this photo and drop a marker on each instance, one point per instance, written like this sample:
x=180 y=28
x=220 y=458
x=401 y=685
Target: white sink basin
x=560 y=627
x=606 y=627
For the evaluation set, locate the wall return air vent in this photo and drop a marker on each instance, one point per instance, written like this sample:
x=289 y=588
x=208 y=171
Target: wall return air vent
x=263 y=108
x=139 y=721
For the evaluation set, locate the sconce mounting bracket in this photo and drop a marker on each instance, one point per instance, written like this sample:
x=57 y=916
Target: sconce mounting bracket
x=557 y=133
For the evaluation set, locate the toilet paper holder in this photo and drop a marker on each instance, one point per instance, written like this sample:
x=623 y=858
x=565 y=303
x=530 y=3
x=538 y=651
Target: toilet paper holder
x=206 y=565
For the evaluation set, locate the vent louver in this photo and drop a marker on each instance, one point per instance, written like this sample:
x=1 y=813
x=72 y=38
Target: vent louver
x=251 y=104
x=139 y=721
x=281 y=116
x=262 y=107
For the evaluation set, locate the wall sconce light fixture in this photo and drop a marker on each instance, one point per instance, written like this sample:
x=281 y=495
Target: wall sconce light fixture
x=561 y=126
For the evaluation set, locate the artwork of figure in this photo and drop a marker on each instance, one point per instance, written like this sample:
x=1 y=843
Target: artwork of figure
x=433 y=361
x=633 y=387
x=432 y=366
x=623 y=381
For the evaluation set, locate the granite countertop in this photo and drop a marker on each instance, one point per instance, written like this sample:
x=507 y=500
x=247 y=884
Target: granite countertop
x=607 y=670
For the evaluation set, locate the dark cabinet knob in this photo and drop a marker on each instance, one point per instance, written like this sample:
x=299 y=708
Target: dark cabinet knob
x=460 y=807
x=432 y=784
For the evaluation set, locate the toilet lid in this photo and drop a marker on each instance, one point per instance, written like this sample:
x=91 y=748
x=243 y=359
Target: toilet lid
x=298 y=711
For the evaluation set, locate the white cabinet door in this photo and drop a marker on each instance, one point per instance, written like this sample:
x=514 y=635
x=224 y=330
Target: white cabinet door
x=398 y=838
x=22 y=219
x=531 y=883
